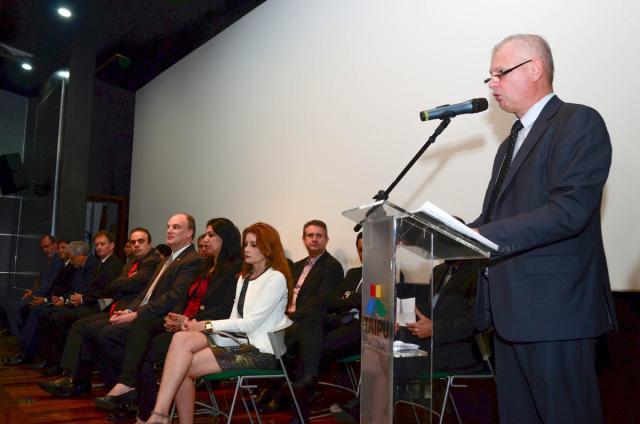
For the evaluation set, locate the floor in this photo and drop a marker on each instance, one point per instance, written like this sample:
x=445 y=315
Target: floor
x=21 y=401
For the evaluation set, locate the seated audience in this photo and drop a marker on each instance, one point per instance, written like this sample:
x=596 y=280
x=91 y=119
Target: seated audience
x=165 y=292
x=54 y=324
x=132 y=280
x=211 y=297
x=262 y=293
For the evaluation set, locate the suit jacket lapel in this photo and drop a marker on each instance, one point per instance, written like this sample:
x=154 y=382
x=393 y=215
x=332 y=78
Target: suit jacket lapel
x=539 y=127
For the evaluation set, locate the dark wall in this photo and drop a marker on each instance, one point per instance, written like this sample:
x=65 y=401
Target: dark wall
x=111 y=140
x=35 y=121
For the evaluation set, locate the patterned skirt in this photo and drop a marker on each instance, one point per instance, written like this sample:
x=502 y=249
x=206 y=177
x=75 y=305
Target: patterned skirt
x=244 y=356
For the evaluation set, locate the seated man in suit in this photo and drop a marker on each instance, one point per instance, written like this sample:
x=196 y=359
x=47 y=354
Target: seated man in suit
x=132 y=280
x=41 y=289
x=62 y=284
x=316 y=277
x=82 y=302
x=341 y=327
x=451 y=322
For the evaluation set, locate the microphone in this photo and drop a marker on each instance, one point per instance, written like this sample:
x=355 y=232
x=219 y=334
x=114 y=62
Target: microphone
x=449 y=111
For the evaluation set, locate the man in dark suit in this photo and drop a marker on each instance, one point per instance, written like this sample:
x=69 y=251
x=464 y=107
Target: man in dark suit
x=315 y=277
x=451 y=323
x=40 y=290
x=547 y=290
x=82 y=302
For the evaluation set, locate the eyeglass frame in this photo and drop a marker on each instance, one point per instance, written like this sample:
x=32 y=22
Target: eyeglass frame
x=501 y=74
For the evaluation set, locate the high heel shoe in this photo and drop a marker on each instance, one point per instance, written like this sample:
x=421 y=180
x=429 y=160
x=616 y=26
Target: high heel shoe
x=124 y=401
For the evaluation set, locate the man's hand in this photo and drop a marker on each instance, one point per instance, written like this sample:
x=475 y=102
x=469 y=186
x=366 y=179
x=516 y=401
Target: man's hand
x=57 y=301
x=27 y=293
x=173 y=322
x=37 y=300
x=423 y=328
x=75 y=299
x=122 y=317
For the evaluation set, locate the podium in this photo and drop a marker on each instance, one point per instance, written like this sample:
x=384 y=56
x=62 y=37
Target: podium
x=387 y=230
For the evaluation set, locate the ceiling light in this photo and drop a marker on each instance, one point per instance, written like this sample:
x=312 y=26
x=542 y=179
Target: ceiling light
x=63 y=73
x=26 y=66
x=64 y=12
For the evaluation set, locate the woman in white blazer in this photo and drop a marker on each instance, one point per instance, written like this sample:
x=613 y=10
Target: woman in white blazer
x=262 y=294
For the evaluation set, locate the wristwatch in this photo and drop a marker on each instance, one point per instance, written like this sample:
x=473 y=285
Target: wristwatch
x=208 y=327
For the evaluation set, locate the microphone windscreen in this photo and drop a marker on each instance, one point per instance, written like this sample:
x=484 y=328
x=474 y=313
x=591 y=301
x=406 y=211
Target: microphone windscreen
x=479 y=105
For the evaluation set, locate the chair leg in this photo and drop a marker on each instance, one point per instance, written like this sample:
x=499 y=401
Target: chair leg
x=444 y=400
x=233 y=402
x=293 y=396
x=455 y=408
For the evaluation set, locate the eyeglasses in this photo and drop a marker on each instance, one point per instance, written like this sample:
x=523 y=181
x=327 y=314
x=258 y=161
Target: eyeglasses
x=137 y=241
x=501 y=74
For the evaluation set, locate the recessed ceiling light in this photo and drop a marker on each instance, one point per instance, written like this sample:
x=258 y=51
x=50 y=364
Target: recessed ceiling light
x=26 y=66
x=64 y=12
x=63 y=73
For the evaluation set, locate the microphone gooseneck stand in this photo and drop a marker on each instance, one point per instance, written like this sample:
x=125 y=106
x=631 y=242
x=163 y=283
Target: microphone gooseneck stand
x=384 y=195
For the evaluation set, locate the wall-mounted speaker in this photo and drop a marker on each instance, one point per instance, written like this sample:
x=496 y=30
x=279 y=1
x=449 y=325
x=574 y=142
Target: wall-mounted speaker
x=13 y=177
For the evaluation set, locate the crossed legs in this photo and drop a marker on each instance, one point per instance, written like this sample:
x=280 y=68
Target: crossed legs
x=189 y=357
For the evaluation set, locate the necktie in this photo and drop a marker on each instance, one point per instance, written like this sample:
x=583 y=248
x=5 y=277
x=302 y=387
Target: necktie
x=153 y=285
x=296 y=289
x=506 y=163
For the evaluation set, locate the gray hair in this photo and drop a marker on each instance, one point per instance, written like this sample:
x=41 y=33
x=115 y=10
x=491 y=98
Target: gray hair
x=77 y=248
x=535 y=46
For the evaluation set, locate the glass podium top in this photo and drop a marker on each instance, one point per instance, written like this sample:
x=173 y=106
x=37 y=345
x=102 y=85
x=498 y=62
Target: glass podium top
x=414 y=232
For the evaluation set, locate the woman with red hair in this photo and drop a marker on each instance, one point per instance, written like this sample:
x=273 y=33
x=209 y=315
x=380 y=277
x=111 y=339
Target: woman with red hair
x=262 y=293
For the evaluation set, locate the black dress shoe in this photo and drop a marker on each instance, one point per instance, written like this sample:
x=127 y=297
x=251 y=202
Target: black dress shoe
x=125 y=401
x=65 y=387
x=17 y=359
x=121 y=416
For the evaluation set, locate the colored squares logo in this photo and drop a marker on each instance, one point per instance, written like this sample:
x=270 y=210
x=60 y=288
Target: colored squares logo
x=375 y=305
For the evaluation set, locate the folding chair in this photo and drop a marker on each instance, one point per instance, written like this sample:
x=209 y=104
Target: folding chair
x=243 y=378
x=451 y=378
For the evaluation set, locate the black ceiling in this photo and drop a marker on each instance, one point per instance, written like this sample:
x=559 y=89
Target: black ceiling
x=135 y=39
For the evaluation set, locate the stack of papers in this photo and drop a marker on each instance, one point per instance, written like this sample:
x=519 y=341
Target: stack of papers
x=400 y=345
x=440 y=215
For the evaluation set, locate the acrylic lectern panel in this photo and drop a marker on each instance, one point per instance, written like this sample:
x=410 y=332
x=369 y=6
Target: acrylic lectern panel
x=385 y=373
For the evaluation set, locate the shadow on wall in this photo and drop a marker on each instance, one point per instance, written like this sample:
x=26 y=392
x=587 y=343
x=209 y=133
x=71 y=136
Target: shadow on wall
x=441 y=157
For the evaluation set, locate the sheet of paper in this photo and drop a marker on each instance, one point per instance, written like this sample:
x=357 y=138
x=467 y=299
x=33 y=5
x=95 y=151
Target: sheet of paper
x=405 y=311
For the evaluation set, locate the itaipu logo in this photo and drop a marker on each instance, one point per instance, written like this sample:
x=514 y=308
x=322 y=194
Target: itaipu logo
x=375 y=305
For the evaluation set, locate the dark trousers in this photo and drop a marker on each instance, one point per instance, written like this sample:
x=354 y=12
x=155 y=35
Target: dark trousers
x=14 y=315
x=29 y=333
x=53 y=326
x=304 y=343
x=82 y=341
x=132 y=344
x=547 y=382
x=341 y=341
